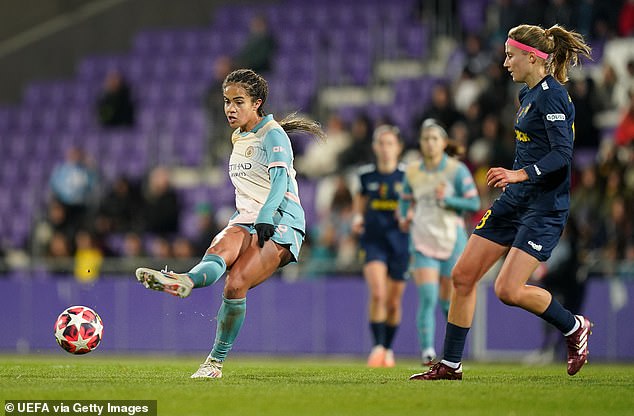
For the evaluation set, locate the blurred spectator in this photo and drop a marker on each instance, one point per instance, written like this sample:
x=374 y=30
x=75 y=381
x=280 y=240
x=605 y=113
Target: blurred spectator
x=114 y=105
x=584 y=17
x=206 y=227
x=120 y=208
x=558 y=12
x=582 y=92
x=56 y=222
x=606 y=90
x=502 y=15
x=59 y=246
x=74 y=184
x=334 y=247
x=441 y=109
x=626 y=19
x=161 y=206
x=88 y=257
x=531 y=13
x=58 y=256
x=585 y=202
x=624 y=134
x=477 y=59
x=491 y=149
x=615 y=231
x=218 y=132
x=258 y=50
x=466 y=90
x=321 y=157
x=625 y=85
x=182 y=248
x=359 y=151
x=160 y=248
x=132 y=245
x=495 y=92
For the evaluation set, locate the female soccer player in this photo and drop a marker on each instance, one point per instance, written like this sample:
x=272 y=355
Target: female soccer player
x=441 y=189
x=383 y=244
x=527 y=220
x=267 y=229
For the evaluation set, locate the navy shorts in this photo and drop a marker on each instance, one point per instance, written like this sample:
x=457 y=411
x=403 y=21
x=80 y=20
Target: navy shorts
x=535 y=232
x=390 y=248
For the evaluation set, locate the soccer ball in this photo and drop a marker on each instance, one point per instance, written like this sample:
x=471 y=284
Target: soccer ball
x=78 y=330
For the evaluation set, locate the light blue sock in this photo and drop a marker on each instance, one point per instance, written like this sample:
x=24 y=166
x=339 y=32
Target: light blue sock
x=444 y=305
x=208 y=271
x=230 y=319
x=425 y=319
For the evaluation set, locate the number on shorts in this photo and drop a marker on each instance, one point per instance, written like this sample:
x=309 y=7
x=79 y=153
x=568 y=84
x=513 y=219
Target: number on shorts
x=484 y=219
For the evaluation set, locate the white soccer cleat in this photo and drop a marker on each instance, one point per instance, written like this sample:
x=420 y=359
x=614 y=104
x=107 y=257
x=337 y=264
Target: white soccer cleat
x=169 y=282
x=388 y=360
x=209 y=369
x=377 y=356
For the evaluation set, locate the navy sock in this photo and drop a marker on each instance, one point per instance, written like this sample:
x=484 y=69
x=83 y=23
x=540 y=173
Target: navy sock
x=455 y=338
x=390 y=331
x=558 y=316
x=378 y=332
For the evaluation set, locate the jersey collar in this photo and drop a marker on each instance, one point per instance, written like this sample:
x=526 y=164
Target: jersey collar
x=259 y=125
x=441 y=165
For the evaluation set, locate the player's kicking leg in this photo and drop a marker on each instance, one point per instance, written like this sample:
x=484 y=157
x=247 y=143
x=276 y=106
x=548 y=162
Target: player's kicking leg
x=169 y=282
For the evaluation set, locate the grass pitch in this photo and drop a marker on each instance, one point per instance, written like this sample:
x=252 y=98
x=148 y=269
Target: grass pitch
x=310 y=386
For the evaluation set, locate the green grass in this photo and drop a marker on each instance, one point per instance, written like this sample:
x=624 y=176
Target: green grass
x=304 y=386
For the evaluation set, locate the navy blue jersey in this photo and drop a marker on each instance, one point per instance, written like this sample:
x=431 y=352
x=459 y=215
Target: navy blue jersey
x=382 y=191
x=544 y=133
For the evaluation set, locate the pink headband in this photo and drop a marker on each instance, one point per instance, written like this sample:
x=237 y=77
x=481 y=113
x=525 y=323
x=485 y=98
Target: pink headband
x=527 y=48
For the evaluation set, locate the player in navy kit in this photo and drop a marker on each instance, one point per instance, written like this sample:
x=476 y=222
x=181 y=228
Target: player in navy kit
x=526 y=221
x=383 y=244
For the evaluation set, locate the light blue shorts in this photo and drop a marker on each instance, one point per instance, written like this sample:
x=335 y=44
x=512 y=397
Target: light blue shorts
x=444 y=267
x=286 y=236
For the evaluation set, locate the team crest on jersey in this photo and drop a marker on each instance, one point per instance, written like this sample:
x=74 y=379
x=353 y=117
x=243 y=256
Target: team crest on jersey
x=521 y=136
x=249 y=152
x=522 y=112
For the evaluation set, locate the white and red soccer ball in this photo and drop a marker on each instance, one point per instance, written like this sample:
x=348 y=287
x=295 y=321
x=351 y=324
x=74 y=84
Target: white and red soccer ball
x=78 y=330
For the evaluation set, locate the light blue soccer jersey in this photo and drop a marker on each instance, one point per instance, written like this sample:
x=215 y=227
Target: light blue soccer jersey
x=435 y=225
x=254 y=152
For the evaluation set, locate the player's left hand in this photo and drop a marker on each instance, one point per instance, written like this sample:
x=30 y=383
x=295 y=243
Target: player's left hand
x=500 y=177
x=265 y=232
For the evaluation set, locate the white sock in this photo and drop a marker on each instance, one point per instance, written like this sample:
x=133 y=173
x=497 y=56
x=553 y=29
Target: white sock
x=574 y=328
x=453 y=365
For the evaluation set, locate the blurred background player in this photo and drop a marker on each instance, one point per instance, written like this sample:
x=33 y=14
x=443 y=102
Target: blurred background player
x=384 y=246
x=267 y=230
x=437 y=191
x=527 y=220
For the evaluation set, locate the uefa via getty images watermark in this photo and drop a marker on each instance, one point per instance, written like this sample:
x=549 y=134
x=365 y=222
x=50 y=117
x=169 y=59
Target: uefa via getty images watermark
x=81 y=407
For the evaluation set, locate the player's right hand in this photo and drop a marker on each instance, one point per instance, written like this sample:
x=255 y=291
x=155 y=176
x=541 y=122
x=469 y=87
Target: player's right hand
x=265 y=232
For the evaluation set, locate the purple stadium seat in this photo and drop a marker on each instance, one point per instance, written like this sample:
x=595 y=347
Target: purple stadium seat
x=415 y=40
x=359 y=67
x=94 y=68
x=472 y=15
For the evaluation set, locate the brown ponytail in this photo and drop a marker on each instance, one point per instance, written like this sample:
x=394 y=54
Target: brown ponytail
x=294 y=123
x=563 y=46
